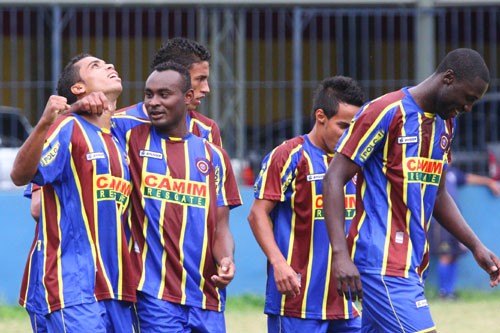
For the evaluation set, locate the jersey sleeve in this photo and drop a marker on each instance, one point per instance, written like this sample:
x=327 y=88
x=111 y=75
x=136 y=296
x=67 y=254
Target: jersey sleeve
x=215 y=135
x=56 y=153
x=227 y=187
x=366 y=134
x=122 y=123
x=277 y=172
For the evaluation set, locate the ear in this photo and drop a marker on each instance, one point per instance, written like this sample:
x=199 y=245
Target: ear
x=78 y=89
x=449 y=76
x=320 y=116
x=188 y=96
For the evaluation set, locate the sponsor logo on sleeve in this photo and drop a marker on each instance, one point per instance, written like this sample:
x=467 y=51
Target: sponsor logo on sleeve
x=371 y=145
x=50 y=156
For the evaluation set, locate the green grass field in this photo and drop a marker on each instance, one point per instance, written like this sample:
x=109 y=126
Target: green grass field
x=472 y=312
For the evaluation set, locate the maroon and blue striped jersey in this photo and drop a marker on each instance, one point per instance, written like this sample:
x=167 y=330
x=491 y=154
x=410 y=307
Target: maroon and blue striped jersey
x=81 y=251
x=178 y=183
x=402 y=152
x=198 y=124
x=292 y=175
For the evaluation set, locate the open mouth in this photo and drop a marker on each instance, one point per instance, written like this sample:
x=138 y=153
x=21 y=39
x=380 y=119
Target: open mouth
x=114 y=76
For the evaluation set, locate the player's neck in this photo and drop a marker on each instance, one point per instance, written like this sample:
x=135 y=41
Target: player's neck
x=101 y=121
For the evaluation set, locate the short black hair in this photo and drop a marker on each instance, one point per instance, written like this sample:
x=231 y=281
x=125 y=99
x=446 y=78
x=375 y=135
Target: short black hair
x=69 y=76
x=467 y=64
x=334 y=90
x=182 y=70
x=181 y=50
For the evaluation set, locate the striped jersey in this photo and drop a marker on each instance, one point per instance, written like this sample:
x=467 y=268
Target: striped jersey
x=292 y=175
x=402 y=152
x=28 y=294
x=81 y=250
x=198 y=124
x=178 y=183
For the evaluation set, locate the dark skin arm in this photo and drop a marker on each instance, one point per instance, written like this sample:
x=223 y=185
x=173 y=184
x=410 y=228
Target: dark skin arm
x=448 y=215
x=223 y=249
x=339 y=172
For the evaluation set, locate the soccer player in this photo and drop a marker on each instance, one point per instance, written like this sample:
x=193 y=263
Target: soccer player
x=183 y=188
x=81 y=252
x=288 y=222
x=399 y=147
x=195 y=57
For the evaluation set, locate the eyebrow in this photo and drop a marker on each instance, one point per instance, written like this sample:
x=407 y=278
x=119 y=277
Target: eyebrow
x=95 y=61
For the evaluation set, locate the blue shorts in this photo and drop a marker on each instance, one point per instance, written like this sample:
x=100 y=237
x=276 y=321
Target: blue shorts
x=282 y=324
x=394 y=304
x=38 y=322
x=117 y=316
x=109 y=316
x=80 y=318
x=156 y=315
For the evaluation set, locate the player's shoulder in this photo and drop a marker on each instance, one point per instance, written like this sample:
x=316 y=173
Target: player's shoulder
x=288 y=148
x=202 y=118
x=63 y=124
x=389 y=100
x=127 y=108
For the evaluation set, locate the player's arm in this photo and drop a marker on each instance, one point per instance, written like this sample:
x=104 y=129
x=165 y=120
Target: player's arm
x=35 y=203
x=448 y=215
x=287 y=281
x=492 y=184
x=26 y=162
x=223 y=249
x=339 y=172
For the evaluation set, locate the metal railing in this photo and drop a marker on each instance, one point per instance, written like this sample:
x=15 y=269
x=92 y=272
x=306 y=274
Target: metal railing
x=266 y=60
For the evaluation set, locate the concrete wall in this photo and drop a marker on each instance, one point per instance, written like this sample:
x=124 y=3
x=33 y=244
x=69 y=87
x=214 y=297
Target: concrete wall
x=17 y=229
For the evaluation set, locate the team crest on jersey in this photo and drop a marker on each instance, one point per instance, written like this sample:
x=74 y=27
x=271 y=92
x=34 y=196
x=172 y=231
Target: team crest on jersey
x=95 y=156
x=444 y=142
x=203 y=166
x=403 y=140
x=150 y=154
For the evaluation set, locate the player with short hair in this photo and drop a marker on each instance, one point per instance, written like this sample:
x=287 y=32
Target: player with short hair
x=81 y=252
x=195 y=57
x=183 y=189
x=288 y=222
x=399 y=147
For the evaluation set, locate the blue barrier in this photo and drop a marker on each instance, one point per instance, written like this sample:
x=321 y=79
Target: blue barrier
x=480 y=208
